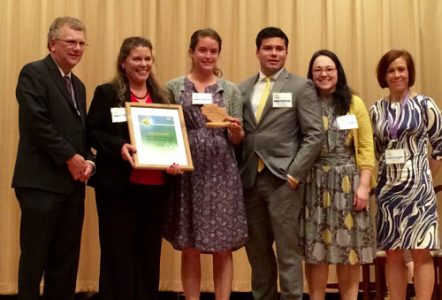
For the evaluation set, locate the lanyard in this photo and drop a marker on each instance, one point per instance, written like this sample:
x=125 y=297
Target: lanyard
x=394 y=125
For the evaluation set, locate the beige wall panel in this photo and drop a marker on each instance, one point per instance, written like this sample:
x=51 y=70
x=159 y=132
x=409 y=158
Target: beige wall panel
x=359 y=31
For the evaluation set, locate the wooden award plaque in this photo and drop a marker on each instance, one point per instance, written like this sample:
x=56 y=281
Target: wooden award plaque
x=215 y=115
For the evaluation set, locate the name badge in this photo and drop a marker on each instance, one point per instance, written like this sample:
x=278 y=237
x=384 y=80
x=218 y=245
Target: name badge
x=201 y=98
x=118 y=114
x=395 y=156
x=347 y=122
x=282 y=100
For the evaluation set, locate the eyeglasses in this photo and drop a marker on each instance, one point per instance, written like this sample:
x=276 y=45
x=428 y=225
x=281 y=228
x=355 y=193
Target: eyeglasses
x=327 y=70
x=74 y=43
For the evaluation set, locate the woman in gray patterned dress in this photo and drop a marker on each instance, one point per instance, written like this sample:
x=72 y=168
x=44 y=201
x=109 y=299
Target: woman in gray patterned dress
x=336 y=223
x=404 y=122
x=207 y=214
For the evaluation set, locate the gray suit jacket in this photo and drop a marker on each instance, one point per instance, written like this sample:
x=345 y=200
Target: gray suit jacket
x=286 y=139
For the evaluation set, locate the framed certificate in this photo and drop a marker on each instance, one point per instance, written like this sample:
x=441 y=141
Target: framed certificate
x=159 y=133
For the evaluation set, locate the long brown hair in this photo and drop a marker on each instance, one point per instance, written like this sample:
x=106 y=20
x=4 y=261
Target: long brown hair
x=343 y=93
x=121 y=82
x=202 y=33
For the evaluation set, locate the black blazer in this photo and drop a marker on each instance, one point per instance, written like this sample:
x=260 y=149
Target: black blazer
x=106 y=137
x=51 y=129
x=112 y=172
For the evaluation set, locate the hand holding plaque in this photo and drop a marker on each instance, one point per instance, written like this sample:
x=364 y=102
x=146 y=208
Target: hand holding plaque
x=217 y=116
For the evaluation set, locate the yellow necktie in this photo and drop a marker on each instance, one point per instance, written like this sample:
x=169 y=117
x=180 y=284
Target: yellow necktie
x=263 y=100
x=262 y=103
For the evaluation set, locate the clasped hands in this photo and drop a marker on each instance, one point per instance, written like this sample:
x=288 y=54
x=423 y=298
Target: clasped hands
x=80 y=168
x=128 y=151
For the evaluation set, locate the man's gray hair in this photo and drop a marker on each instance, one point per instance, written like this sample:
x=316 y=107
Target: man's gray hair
x=54 y=30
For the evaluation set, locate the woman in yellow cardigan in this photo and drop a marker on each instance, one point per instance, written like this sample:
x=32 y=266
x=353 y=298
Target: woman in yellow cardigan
x=336 y=223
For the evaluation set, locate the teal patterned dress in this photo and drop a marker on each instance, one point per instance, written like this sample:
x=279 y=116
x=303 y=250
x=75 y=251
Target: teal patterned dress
x=333 y=232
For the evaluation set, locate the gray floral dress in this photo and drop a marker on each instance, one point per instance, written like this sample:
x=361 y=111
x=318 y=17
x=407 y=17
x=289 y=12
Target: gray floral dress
x=207 y=212
x=333 y=232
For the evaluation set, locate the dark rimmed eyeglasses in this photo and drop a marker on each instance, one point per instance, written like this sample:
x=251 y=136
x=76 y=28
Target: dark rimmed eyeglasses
x=327 y=70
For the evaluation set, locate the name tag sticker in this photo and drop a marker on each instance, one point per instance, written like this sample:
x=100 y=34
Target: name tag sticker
x=118 y=114
x=201 y=98
x=282 y=100
x=347 y=122
x=395 y=156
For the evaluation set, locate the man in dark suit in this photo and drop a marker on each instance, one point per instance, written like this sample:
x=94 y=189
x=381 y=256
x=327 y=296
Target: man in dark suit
x=52 y=166
x=283 y=135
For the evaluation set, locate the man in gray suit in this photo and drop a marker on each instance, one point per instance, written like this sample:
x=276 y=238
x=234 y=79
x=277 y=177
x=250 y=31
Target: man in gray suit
x=283 y=135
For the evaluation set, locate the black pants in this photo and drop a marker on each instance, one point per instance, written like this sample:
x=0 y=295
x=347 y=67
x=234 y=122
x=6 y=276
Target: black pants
x=50 y=235
x=131 y=226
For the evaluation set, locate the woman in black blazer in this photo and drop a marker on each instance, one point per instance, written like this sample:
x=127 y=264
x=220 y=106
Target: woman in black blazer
x=130 y=202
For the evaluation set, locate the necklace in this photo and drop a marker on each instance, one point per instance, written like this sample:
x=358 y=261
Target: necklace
x=141 y=98
x=401 y=99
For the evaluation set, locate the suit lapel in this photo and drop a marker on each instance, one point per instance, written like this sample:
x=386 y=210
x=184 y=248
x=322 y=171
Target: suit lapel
x=76 y=86
x=79 y=99
x=280 y=82
x=127 y=95
x=248 y=104
x=277 y=87
x=55 y=74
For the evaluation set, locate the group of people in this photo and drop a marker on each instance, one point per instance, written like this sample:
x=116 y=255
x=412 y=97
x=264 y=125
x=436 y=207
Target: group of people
x=289 y=177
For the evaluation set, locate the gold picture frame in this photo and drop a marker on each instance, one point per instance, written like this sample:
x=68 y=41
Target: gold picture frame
x=158 y=132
